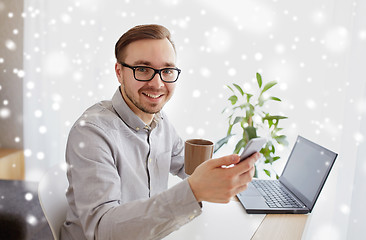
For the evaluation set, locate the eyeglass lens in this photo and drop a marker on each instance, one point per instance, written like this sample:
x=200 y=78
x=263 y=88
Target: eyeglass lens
x=145 y=73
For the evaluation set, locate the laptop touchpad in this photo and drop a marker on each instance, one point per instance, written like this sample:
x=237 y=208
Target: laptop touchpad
x=250 y=191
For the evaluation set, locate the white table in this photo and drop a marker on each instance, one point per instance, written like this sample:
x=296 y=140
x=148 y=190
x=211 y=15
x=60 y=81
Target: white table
x=230 y=221
x=219 y=221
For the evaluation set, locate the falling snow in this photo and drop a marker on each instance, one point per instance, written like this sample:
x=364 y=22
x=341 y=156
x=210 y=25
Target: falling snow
x=258 y=56
x=5 y=113
x=358 y=137
x=205 y=72
x=196 y=93
x=10 y=44
x=38 y=113
x=69 y=65
x=28 y=196
x=42 y=129
x=40 y=155
x=337 y=39
x=27 y=152
x=189 y=130
x=32 y=220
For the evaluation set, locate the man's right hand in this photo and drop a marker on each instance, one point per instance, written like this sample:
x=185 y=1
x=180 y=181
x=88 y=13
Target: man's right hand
x=211 y=182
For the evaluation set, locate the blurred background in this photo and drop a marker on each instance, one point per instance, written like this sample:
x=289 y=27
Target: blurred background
x=57 y=59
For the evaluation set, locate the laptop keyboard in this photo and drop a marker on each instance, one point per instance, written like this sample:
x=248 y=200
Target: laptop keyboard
x=275 y=196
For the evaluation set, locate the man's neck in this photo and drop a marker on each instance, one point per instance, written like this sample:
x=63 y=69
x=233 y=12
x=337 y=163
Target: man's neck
x=147 y=119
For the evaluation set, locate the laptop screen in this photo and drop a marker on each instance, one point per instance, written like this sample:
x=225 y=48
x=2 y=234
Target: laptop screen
x=307 y=169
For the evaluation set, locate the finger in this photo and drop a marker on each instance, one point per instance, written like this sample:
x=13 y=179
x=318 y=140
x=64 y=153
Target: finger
x=244 y=180
x=246 y=177
x=241 y=188
x=246 y=164
x=224 y=161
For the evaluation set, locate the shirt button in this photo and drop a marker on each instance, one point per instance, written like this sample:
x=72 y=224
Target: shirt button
x=137 y=128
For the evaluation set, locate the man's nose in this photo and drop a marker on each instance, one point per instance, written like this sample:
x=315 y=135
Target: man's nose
x=156 y=81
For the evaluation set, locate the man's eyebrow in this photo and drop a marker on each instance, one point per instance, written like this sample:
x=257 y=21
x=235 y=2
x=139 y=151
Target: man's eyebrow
x=142 y=62
x=147 y=63
x=169 y=64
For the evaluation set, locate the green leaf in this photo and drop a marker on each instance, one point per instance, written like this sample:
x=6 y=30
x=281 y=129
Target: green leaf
x=277 y=130
x=230 y=88
x=264 y=151
x=268 y=86
x=240 y=106
x=260 y=101
x=268 y=160
x=255 y=172
x=230 y=128
x=233 y=99
x=273 y=150
x=251 y=108
x=249 y=96
x=281 y=140
x=270 y=123
x=222 y=142
x=267 y=172
x=237 y=119
x=239 y=89
x=276 y=117
x=259 y=80
x=245 y=105
x=241 y=144
x=250 y=132
x=268 y=150
x=275 y=99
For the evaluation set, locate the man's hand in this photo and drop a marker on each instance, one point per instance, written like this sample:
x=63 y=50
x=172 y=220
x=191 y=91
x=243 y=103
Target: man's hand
x=213 y=183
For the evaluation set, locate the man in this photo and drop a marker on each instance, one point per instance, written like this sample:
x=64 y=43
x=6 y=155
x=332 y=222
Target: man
x=120 y=153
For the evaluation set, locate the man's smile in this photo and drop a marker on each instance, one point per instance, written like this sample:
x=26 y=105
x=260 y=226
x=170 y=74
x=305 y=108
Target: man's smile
x=151 y=95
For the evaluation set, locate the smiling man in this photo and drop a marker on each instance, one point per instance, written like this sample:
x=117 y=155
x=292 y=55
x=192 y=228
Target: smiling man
x=153 y=87
x=120 y=153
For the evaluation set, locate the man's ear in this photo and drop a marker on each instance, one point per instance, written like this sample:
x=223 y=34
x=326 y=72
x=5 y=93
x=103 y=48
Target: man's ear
x=118 y=71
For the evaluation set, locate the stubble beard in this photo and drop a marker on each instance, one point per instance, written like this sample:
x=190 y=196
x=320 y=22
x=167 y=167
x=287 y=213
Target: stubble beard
x=139 y=105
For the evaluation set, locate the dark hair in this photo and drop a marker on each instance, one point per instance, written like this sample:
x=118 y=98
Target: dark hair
x=150 y=31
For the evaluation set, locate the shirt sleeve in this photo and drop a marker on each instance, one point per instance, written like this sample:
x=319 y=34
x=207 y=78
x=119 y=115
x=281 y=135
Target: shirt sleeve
x=95 y=194
x=152 y=218
x=177 y=162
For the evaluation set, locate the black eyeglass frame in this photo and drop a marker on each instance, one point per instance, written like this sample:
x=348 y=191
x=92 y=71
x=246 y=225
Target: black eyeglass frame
x=155 y=72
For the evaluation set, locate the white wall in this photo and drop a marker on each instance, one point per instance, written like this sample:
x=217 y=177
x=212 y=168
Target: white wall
x=314 y=49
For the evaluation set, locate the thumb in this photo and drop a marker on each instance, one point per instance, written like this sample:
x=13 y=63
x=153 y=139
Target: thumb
x=226 y=160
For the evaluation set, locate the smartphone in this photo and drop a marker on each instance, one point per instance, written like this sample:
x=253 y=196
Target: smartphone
x=253 y=146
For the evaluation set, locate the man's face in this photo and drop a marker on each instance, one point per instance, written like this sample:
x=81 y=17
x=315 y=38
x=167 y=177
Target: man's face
x=146 y=98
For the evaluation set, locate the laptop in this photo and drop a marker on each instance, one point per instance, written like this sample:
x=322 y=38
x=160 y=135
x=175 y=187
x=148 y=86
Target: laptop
x=298 y=186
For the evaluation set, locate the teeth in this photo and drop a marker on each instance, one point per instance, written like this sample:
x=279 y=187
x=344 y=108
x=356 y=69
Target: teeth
x=152 y=96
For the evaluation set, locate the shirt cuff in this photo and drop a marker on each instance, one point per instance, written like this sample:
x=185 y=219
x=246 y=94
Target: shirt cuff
x=182 y=203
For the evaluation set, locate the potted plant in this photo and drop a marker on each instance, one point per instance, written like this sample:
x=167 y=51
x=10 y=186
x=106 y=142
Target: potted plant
x=247 y=113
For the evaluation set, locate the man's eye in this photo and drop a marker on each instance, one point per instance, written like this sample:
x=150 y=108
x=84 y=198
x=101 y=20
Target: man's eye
x=167 y=71
x=141 y=69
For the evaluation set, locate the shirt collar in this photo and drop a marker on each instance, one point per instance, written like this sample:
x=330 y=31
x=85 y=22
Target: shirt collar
x=129 y=117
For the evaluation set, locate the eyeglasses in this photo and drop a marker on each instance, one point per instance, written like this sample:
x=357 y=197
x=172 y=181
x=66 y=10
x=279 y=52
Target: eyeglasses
x=145 y=74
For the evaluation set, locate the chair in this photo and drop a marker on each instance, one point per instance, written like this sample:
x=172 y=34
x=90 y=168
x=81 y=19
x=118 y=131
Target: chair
x=51 y=194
